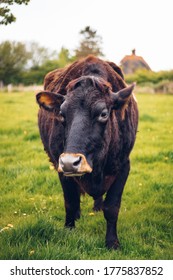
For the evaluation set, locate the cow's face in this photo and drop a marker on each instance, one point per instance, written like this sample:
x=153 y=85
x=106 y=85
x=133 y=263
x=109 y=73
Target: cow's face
x=85 y=115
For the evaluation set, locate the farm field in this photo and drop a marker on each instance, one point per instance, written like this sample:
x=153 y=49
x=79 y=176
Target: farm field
x=31 y=202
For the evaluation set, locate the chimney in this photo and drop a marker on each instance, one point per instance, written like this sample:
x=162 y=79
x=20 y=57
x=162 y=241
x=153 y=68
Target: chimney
x=133 y=52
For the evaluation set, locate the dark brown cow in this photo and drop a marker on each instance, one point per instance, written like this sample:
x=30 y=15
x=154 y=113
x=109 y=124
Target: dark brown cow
x=88 y=122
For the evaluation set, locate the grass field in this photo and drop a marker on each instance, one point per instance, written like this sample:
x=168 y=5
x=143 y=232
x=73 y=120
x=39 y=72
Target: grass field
x=31 y=201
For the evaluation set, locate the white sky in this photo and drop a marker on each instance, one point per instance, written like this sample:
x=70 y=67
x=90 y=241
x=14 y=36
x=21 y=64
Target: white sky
x=146 y=25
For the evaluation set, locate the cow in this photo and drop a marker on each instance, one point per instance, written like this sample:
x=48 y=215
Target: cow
x=88 y=120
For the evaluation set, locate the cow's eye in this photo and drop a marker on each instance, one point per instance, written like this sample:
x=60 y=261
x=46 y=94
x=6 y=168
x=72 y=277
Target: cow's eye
x=103 y=117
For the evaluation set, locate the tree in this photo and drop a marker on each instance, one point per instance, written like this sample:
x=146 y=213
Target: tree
x=39 y=55
x=89 y=44
x=29 y=63
x=35 y=75
x=13 y=60
x=6 y=16
x=64 y=57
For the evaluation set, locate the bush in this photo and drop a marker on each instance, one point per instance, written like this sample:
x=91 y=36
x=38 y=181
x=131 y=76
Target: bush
x=164 y=86
x=144 y=76
x=36 y=75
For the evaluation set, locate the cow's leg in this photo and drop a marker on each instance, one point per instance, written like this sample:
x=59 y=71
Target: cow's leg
x=112 y=205
x=98 y=204
x=71 y=200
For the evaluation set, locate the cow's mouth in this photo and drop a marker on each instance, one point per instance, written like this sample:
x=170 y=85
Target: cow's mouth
x=72 y=165
x=69 y=174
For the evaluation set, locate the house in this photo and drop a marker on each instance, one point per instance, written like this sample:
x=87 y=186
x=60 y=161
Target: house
x=131 y=63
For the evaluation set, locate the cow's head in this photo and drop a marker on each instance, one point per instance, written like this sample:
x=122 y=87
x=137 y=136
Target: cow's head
x=85 y=112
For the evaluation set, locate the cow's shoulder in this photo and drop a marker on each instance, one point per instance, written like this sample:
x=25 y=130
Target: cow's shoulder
x=51 y=78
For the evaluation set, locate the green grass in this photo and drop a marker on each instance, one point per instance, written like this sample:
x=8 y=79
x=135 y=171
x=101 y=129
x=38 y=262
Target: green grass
x=31 y=202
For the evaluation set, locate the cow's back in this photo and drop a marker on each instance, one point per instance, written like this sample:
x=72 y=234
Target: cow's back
x=57 y=80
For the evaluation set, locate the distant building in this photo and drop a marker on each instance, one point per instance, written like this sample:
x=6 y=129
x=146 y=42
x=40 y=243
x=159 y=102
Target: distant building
x=133 y=62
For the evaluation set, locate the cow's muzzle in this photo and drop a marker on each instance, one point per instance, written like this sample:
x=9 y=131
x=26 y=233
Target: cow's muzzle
x=73 y=164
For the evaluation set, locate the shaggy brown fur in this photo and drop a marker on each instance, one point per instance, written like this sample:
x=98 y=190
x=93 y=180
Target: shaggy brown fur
x=57 y=80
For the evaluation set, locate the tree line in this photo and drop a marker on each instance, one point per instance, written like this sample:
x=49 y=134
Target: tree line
x=27 y=63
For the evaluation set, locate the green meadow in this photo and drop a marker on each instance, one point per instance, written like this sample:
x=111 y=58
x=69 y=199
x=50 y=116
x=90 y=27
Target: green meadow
x=31 y=200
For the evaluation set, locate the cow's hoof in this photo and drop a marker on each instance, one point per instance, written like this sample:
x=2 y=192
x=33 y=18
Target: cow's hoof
x=113 y=244
x=97 y=208
x=70 y=225
x=77 y=216
x=98 y=204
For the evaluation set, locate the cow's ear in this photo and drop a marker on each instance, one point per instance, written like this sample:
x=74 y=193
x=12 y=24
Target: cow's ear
x=49 y=100
x=121 y=97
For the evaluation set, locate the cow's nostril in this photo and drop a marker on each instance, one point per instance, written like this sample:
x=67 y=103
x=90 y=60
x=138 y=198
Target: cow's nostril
x=61 y=162
x=77 y=162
